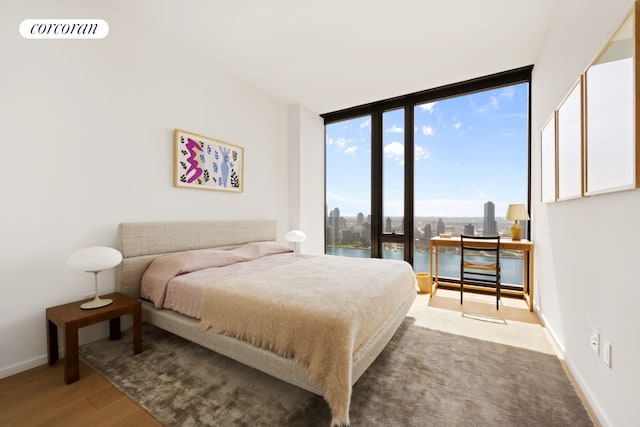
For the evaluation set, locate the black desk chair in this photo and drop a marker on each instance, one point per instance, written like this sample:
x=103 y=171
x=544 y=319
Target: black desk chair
x=480 y=263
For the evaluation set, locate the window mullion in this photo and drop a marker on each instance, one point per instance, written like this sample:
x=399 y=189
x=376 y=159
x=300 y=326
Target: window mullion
x=408 y=183
x=376 y=184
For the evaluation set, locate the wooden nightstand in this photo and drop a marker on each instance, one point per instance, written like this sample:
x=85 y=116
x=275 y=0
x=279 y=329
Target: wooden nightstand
x=70 y=317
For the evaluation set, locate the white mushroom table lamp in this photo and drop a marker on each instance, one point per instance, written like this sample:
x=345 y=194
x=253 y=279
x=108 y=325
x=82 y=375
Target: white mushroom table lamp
x=295 y=237
x=94 y=260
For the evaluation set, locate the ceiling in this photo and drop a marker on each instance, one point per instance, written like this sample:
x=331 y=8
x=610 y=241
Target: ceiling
x=333 y=54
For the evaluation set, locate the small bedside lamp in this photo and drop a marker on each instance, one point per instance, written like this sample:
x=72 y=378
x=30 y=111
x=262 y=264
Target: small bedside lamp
x=295 y=236
x=517 y=212
x=94 y=260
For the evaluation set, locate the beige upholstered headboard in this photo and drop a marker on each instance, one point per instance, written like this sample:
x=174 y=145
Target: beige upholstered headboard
x=142 y=242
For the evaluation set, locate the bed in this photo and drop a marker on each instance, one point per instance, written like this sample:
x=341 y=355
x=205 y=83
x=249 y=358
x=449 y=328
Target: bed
x=382 y=307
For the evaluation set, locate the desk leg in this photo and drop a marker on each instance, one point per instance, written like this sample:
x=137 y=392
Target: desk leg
x=71 y=368
x=525 y=272
x=137 y=330
x=435 y=280
x=114 y=329
x=431 y=268
x=52 y=342
x=530 y=283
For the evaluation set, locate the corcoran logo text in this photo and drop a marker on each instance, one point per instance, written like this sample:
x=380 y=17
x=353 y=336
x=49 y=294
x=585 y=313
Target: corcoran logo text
x=64 y=29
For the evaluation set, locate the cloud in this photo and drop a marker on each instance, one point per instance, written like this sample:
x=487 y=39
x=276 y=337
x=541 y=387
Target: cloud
x=493 y=104
x=341 y=142
x=421 y=152
x=395 y=129
x=481 y=194
x=344 y=145
x=394 y=151
x=494 y=101
x=428 y=130
x=351 y=150
x=365 y=123
x=507 y=92
x=428 y=107
x=457 y=125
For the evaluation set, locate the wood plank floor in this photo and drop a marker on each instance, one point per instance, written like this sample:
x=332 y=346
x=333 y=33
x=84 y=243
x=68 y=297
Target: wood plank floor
x=39 y=397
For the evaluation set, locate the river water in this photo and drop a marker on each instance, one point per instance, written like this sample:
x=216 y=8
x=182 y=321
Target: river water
x=449 y=263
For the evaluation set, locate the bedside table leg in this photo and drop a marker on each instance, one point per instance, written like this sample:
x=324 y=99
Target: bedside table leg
x=52 y=342
x=71 y=368
x=114 y=329
x=137 y=330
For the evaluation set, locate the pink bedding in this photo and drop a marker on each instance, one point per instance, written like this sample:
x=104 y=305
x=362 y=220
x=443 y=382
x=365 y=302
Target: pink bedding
x=176 y=281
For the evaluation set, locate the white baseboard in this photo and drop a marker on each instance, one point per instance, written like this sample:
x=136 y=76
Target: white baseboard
x=552 y=333
x=578 y=379
x=23 y=366
x=86 y=335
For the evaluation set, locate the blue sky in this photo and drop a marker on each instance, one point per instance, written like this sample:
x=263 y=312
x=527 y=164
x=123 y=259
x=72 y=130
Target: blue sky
x=468 y=150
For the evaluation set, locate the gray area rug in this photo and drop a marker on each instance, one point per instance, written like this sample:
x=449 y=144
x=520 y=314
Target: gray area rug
x=423 y=377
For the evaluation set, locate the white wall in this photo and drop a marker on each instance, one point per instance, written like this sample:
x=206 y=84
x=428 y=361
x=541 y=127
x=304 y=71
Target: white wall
x=87 y=143
x=586 y=252
x=306 y=138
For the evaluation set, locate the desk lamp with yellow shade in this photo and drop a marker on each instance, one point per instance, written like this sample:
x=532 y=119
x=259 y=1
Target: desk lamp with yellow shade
x=517 y=212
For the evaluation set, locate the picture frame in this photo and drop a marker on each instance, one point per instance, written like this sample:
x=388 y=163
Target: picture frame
x=569 y=125
x=206 y=163
x=548 y=154
x=612 y=110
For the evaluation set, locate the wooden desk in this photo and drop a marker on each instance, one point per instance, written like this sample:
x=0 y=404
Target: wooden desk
x=70 y=317
x=519 y=245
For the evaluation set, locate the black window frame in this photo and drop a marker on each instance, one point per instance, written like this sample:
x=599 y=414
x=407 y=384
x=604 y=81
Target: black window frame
x=376 y=109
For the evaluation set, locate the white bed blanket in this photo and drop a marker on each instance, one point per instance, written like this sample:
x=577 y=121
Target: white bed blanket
x=320 y=311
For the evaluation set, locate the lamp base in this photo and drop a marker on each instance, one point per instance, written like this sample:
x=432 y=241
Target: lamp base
x=97 y=302
x=516 y=232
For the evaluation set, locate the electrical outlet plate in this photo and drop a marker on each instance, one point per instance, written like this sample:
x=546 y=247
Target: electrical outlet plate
x=594 y=340
x=606 y=352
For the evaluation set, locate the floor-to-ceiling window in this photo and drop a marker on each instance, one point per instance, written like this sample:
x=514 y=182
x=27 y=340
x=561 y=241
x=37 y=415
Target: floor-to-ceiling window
x=348 y=187
x=445 y=160
x=471 y=162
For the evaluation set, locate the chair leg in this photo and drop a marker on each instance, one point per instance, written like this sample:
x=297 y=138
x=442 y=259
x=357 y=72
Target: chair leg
x=498 y=296
x=461 y=289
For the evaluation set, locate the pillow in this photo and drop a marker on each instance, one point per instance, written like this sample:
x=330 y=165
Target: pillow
x=257 y=250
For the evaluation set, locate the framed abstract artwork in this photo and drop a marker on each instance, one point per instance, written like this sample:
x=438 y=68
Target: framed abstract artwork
x=206 y=163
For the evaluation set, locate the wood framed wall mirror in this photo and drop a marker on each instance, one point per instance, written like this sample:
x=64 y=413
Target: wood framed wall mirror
x=611 y=112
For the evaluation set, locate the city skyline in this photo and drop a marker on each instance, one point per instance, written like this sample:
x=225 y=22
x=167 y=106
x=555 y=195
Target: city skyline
x=355 y=230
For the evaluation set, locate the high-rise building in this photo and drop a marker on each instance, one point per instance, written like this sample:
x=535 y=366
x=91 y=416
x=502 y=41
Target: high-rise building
x=489 y=226
x=387 y=225
x=360 y=219
x=440 y=226
x=334 y=224
x=427 y=232
x=469 y=230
